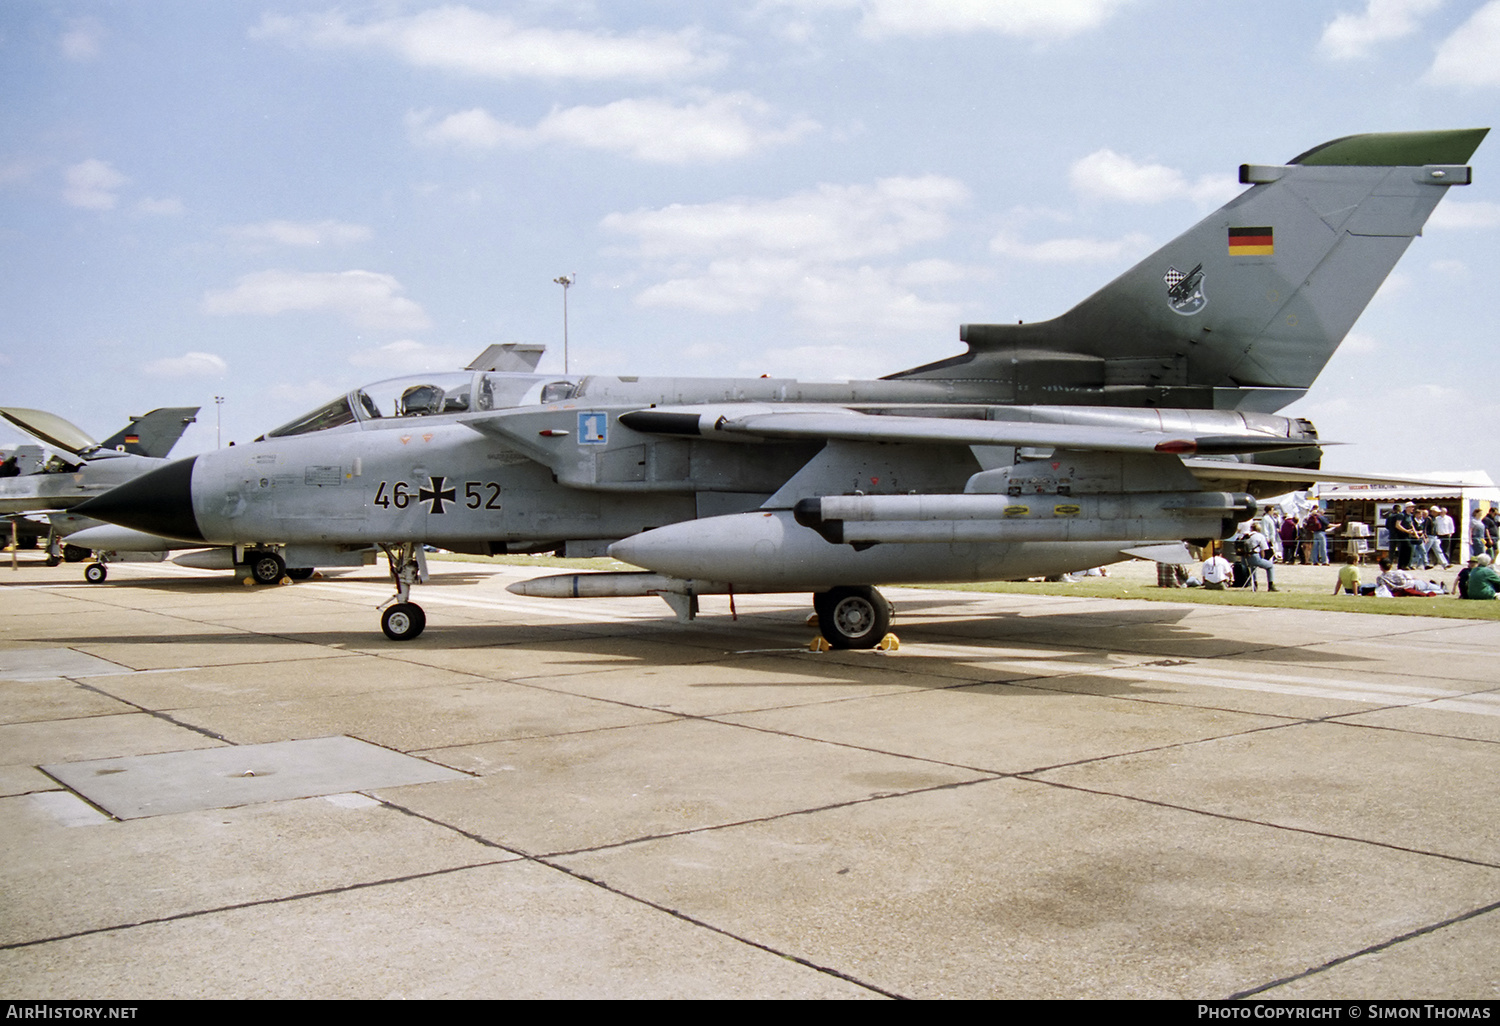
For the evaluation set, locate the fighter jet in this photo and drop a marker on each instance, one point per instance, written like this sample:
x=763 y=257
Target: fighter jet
x=79 y=468
x=1142 y=418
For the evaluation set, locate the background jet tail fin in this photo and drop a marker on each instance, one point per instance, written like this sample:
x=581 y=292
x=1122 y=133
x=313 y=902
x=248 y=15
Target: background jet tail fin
x=1243 y=310
x=153 y=434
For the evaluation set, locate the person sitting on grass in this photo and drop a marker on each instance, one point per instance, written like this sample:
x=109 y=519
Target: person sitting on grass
x=1484 y=580
x=1217 y=573
x=1348 y=580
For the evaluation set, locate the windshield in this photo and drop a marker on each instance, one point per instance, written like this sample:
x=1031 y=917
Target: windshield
x=335 y=414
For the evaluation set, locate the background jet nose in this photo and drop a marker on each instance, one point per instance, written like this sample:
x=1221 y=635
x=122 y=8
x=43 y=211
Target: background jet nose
x=159 y=503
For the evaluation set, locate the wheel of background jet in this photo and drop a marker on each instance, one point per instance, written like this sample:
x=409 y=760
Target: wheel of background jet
x=265 y=567
x=300 y=573
x=858 y=617
x=95 y=573
x=403 y=621
x=76 y=553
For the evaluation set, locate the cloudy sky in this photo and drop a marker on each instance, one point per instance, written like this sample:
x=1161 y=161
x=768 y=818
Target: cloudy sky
x=275 y=202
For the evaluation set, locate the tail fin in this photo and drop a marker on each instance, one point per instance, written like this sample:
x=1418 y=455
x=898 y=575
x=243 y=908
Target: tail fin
x=1244 y=309
x=155 y=433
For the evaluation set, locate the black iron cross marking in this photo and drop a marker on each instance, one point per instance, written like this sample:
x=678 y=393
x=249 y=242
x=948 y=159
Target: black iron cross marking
x=436 y=494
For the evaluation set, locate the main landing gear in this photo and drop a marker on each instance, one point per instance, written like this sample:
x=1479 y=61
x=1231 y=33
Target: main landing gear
x=402 y=619
x=852 y=617
x=265 y=567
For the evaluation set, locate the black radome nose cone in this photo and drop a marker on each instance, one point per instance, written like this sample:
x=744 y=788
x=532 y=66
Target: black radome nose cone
x=159 y=503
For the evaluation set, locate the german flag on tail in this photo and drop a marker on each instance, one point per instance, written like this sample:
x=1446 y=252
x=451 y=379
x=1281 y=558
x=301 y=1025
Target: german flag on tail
x=1251 y=242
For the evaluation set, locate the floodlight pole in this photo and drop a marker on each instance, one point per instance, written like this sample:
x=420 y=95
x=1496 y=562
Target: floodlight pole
x=566 y=281
x=218 y=422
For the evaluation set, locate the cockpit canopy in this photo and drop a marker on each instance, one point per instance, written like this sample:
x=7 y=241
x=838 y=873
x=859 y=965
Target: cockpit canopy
x=431 y=395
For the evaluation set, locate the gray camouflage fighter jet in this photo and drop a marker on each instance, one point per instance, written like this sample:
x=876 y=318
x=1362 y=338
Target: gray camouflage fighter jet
x=79 y=467
x=1141 y=418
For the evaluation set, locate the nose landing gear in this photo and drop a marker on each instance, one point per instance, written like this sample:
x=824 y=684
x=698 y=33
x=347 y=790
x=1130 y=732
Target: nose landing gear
x=402 y=619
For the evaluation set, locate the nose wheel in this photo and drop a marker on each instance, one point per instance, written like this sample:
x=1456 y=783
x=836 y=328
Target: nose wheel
x=403 y=621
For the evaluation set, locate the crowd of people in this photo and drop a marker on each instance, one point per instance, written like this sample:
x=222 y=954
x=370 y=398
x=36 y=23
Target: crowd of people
x=1418 y=539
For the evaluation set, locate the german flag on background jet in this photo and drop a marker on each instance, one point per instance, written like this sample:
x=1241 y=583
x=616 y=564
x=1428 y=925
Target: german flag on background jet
x=1251 y=242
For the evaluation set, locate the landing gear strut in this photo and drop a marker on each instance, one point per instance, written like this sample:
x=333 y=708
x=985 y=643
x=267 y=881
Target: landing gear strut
x=402 y=619
x=852 y=617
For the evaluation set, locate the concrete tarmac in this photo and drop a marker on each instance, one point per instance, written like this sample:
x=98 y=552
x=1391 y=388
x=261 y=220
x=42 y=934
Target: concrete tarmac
x=249 y=792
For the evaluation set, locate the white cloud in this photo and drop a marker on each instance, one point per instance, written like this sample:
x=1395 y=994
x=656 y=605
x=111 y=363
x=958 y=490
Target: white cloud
x=1071 y=251
x=92 y=185
x=188 y=365
x=829 y=223
x=408 y=355
x=810 y=252
x=1105 y=174
x=1350 y=36
x=718 y=126
x=1471 y=56
x=461 y=39
x=475 y=129
x=83 y=40
x=833 y=299
x=1024 y=19
x=364 y=298
x=1452 y=213
x=301 y=233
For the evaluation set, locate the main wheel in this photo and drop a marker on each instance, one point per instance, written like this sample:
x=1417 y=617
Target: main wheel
x=403 y=621
x=265 y=567
x=300 y=573
x=855 y=617
x=95 y=573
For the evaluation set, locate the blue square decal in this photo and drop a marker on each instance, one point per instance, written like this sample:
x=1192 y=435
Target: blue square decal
x=593 y=428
